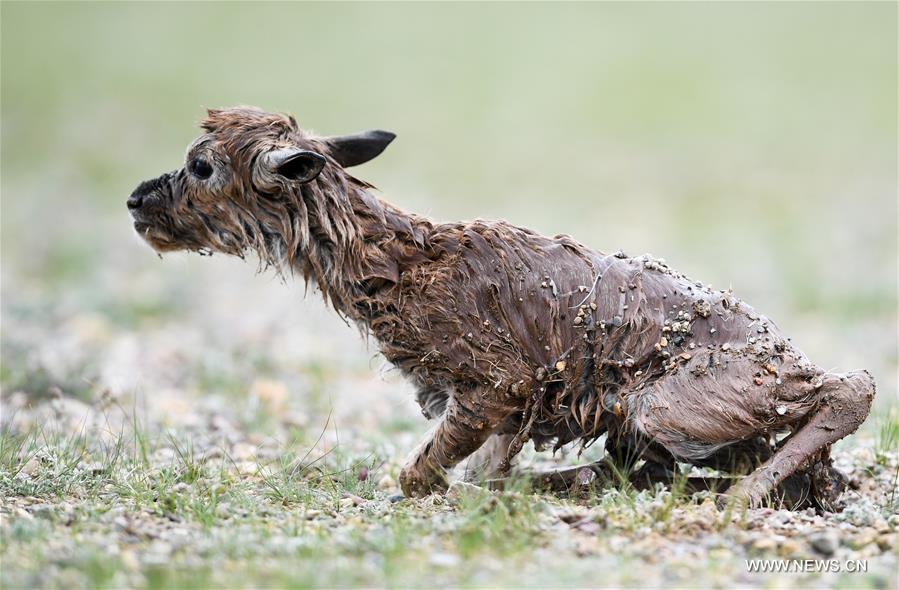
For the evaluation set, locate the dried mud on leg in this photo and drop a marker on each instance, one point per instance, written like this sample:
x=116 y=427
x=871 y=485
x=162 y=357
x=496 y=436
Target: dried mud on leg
x=845 y=402
x=461 y=431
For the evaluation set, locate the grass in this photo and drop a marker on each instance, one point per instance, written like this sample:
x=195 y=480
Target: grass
x=271 y=504
x=887 y=445
x=304 y=518
x=278 y=500
x=887 y=434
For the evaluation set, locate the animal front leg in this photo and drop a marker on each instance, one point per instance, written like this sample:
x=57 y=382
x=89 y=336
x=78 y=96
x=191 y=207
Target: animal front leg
x=460 y=432
x=486 y=463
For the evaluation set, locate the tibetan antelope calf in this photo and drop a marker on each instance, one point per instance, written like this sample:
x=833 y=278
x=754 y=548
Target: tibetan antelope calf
x=511 y=336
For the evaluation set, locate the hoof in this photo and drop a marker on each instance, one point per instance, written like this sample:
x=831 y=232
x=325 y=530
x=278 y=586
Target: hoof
x=827 y=486
x=741 y=497
x=416 y=483
x=729 y=501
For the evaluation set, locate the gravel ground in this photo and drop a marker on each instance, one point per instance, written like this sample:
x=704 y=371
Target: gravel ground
x=87 y=502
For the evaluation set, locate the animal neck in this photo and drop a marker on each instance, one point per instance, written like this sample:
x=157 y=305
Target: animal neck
x=357 y=246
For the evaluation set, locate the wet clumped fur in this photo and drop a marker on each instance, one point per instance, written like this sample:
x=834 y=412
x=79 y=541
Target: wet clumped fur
x=511 y=336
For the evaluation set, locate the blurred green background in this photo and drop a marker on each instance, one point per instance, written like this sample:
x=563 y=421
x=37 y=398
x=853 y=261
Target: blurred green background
x=752 y=145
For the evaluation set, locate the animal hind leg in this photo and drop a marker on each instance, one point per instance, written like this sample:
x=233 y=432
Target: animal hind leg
x=718 y=409
x=695 y=412
x=741 y=457
x=818 y=485
x=844 y=405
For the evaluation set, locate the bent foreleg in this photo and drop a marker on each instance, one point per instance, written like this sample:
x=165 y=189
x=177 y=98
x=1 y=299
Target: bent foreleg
x=464 y=427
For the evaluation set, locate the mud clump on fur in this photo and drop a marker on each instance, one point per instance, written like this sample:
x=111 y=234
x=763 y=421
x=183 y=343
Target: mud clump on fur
x=511 y=336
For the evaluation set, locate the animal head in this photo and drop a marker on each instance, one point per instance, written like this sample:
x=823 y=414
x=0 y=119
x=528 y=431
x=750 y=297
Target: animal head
x=253 y=181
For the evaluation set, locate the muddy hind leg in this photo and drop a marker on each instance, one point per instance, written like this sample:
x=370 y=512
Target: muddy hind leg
x=818 y=485
x=661 y=467
x=707 y=410
x=844 y=404
x=617 y=468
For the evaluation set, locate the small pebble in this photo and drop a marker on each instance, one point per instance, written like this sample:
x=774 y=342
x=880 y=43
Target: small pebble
x=825 y=543
x=386 y=483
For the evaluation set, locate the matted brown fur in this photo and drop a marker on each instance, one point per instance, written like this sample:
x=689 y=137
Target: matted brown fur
x=505 y=332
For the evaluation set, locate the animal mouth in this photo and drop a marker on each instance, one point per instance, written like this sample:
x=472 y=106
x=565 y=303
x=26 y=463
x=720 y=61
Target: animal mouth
x=149 y=232
x=142 y=225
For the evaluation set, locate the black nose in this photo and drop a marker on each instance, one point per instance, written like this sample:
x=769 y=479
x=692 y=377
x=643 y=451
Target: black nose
x=135 y=201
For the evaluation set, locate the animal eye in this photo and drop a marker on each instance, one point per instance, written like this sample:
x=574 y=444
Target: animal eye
x=200 y=168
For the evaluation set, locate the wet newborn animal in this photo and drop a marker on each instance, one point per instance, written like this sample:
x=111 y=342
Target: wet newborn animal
x=509 y=335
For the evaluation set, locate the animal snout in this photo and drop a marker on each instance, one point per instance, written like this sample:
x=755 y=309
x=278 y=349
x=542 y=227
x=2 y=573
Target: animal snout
x=135 y=201
x=149 y=191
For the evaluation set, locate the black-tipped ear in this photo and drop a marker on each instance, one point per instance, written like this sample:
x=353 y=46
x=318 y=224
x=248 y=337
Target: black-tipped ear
x=352 y=150
x=297 y=165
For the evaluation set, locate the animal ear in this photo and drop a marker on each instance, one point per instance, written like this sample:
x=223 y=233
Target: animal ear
x=352 y=150
x=296 y=164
